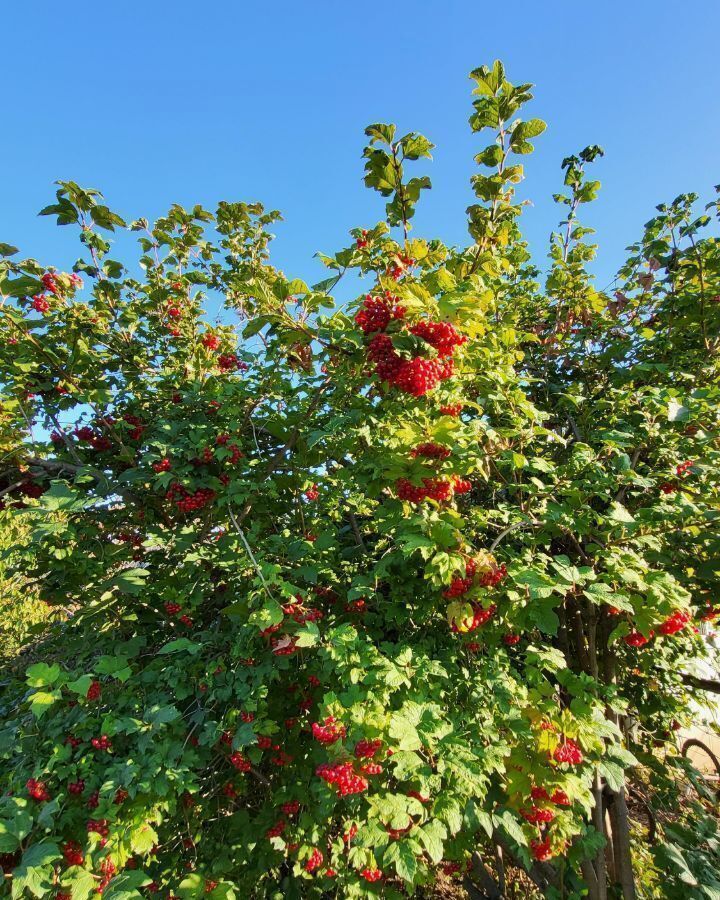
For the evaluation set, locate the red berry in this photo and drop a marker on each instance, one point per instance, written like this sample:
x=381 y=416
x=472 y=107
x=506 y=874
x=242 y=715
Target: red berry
x=73 y=853
x=315 y=861
x=568 y=752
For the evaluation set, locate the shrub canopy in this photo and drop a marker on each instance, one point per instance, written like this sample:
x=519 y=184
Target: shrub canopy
x=343 y=594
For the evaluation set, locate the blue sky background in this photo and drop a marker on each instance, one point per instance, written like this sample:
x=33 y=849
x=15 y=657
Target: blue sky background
x=157 y=102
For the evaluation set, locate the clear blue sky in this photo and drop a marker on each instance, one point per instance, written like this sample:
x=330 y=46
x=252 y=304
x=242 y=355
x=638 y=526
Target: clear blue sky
x=157 y=102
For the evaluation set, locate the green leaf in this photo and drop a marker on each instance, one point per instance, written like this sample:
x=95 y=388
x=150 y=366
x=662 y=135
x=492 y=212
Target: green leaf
x=401 y=855
x=269 y=614
x=510 y=825
x=143 y=839
x=41 y=701
x=82 y=883
x=129 y=581
x=618 y=513
x=25 y=286
x=447 y=809
x=308 y=635
x=80 y=685
x=432 y=837
x=179 y=645
x=404 y=732
x=41 y=854
x=41 y=674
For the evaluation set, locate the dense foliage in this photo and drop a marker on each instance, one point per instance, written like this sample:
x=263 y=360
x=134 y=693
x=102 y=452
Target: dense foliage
x=346 y=595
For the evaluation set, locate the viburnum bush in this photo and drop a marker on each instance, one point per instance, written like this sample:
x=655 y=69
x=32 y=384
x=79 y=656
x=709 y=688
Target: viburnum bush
x=347 y=595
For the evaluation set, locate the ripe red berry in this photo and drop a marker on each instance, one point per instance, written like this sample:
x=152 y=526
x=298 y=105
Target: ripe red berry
x=240 y=762
x=211 y=341
x=315 y=861
x=441 y=335
x=675 y=623
x=568 y=752
x=37 y=790
x=94 y=691
x=73 y=853
x=537 y=815
x=636 y=639
x=452 y=409
x=431 y=451
x=541 y=850
x=343 y=777
x=329 y=732
x=371 y=874
x=367 y=749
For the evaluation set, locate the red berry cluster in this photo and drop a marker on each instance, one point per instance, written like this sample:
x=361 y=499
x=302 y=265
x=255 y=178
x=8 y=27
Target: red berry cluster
x=414 y=376
x=494 y=576
x=344 y=777
x=99 y=826
x=377 y=313
x=371 y=874
x=277 y=829
x=541 y=849
x=189 y=502
x=73 y=854
x=568 y=752
x=107 y=870
x=452 y=409
x=211 y=341
x=417 y=376
x=163 y=466
x=438 y=489
x=291 y=808
x=236 y=455
x=94 y=691
x=461 y=485
x=458 y=587
x=312 y=493
x=367 y=749
x=50 y=283
x=537 y=815
x=684 y=467
x=481 y=616
x=637 y=638
x=40 y=303
x=37 y=790
x=315 y=861
x=229 y=362
x=329 y=732
x=102 y=743
x=172 y=609
x=76 y=787
x=674 y=623
x=240 y=762
x=430 y=451
x=441 y=335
